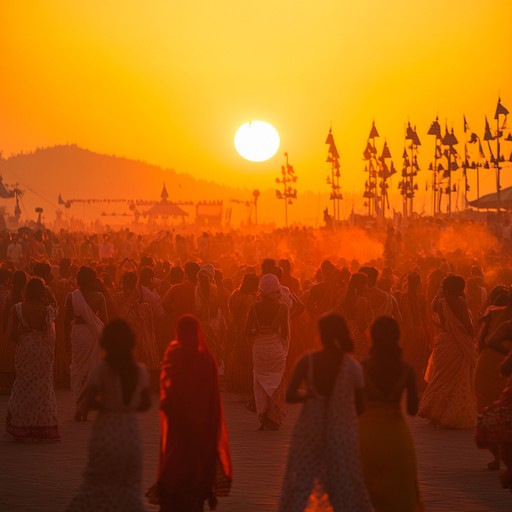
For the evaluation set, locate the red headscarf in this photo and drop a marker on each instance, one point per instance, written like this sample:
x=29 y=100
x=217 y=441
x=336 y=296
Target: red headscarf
x=194 y=455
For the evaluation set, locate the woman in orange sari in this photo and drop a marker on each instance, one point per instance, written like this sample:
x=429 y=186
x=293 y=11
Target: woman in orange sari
x=387 y=449
x=489 y=383
x=494 y=431
x=449 y=400
x=414 y=338
x=195 y=464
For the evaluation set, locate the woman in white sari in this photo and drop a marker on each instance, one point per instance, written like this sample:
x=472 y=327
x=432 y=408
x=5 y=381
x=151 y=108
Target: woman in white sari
x=268 y=328
x=85 y=317
x=32 y=408
x=118 y=387
x=324 y=460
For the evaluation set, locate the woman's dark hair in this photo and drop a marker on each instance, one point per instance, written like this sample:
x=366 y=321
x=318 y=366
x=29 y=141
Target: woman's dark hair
x=334 y=333
x=35 y=290
x=129 y=281
x=357 y=282
x=44 y=271
x=176 y=275
x=146 y=274
x=372 y=274
x=413 y=284
x=86 y=279
x=19 y=280
x=454 y=285
x=118 y=341
x=385 y=334
x=250 y=283
x=497 y=295
x=5 y=275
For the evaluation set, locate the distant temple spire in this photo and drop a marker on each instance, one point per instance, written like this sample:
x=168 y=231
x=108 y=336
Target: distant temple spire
x=164 y=195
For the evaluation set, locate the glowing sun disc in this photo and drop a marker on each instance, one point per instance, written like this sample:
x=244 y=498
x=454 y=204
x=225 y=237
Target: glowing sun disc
x=257 y=141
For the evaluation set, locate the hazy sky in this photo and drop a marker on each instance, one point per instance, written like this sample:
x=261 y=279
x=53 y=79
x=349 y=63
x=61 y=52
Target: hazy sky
x=169 y=82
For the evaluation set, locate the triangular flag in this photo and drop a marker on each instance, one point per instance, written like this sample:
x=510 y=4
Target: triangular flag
x=435 y=129
x=385 y=151
x=487 y=135
x=373 y=132
x=330 y=138
x=500 y=109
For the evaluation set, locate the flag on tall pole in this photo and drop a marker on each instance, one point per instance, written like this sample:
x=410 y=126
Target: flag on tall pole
x=500 y=110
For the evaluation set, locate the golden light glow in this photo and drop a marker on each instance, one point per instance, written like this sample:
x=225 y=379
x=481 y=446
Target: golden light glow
x=257 y=141
x=168 y=83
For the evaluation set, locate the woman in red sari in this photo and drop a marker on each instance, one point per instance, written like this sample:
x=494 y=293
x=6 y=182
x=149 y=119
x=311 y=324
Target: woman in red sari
x=195 y=463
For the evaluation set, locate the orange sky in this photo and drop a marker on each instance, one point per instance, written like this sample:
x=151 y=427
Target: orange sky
x=170 y=82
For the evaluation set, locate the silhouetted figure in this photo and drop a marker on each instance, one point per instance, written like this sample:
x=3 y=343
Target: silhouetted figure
x=449 y=399
x=118 y=387
x=195 y=463
x=387 y=449
x=32 y=407
x=84 y=319
x=324 y=457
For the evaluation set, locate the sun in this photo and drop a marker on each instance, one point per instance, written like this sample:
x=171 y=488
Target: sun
x=257 y=141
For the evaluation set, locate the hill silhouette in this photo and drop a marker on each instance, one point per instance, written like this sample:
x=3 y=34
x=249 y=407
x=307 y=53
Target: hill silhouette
x=78 y=173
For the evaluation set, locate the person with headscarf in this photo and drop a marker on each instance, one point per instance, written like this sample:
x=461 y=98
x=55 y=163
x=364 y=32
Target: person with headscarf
x=268 y=328
x=195 y=463
x=449 y=400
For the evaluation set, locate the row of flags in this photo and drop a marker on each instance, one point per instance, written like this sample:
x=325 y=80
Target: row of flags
x=378 y=168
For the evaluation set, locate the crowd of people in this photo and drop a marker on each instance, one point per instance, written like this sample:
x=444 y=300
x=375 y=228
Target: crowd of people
x=116 y=316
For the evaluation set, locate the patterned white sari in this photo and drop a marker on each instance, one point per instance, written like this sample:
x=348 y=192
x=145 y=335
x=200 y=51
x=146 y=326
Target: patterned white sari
x=32 y=407
x=85 y=348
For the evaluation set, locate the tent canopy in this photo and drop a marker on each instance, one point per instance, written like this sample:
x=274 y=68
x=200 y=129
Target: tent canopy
x=490 y=201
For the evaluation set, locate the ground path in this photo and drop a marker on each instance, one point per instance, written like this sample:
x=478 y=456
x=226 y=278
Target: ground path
x=43 y=477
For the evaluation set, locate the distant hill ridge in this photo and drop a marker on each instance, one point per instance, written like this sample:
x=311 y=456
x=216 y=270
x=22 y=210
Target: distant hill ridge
x=80 y=173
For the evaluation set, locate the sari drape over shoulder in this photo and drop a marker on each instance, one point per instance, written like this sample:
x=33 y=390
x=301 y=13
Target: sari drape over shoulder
x=112 y=478
x=449 y=400
x=85 y=348
x=195 y=461
x=323 y=470
x=489 y=383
